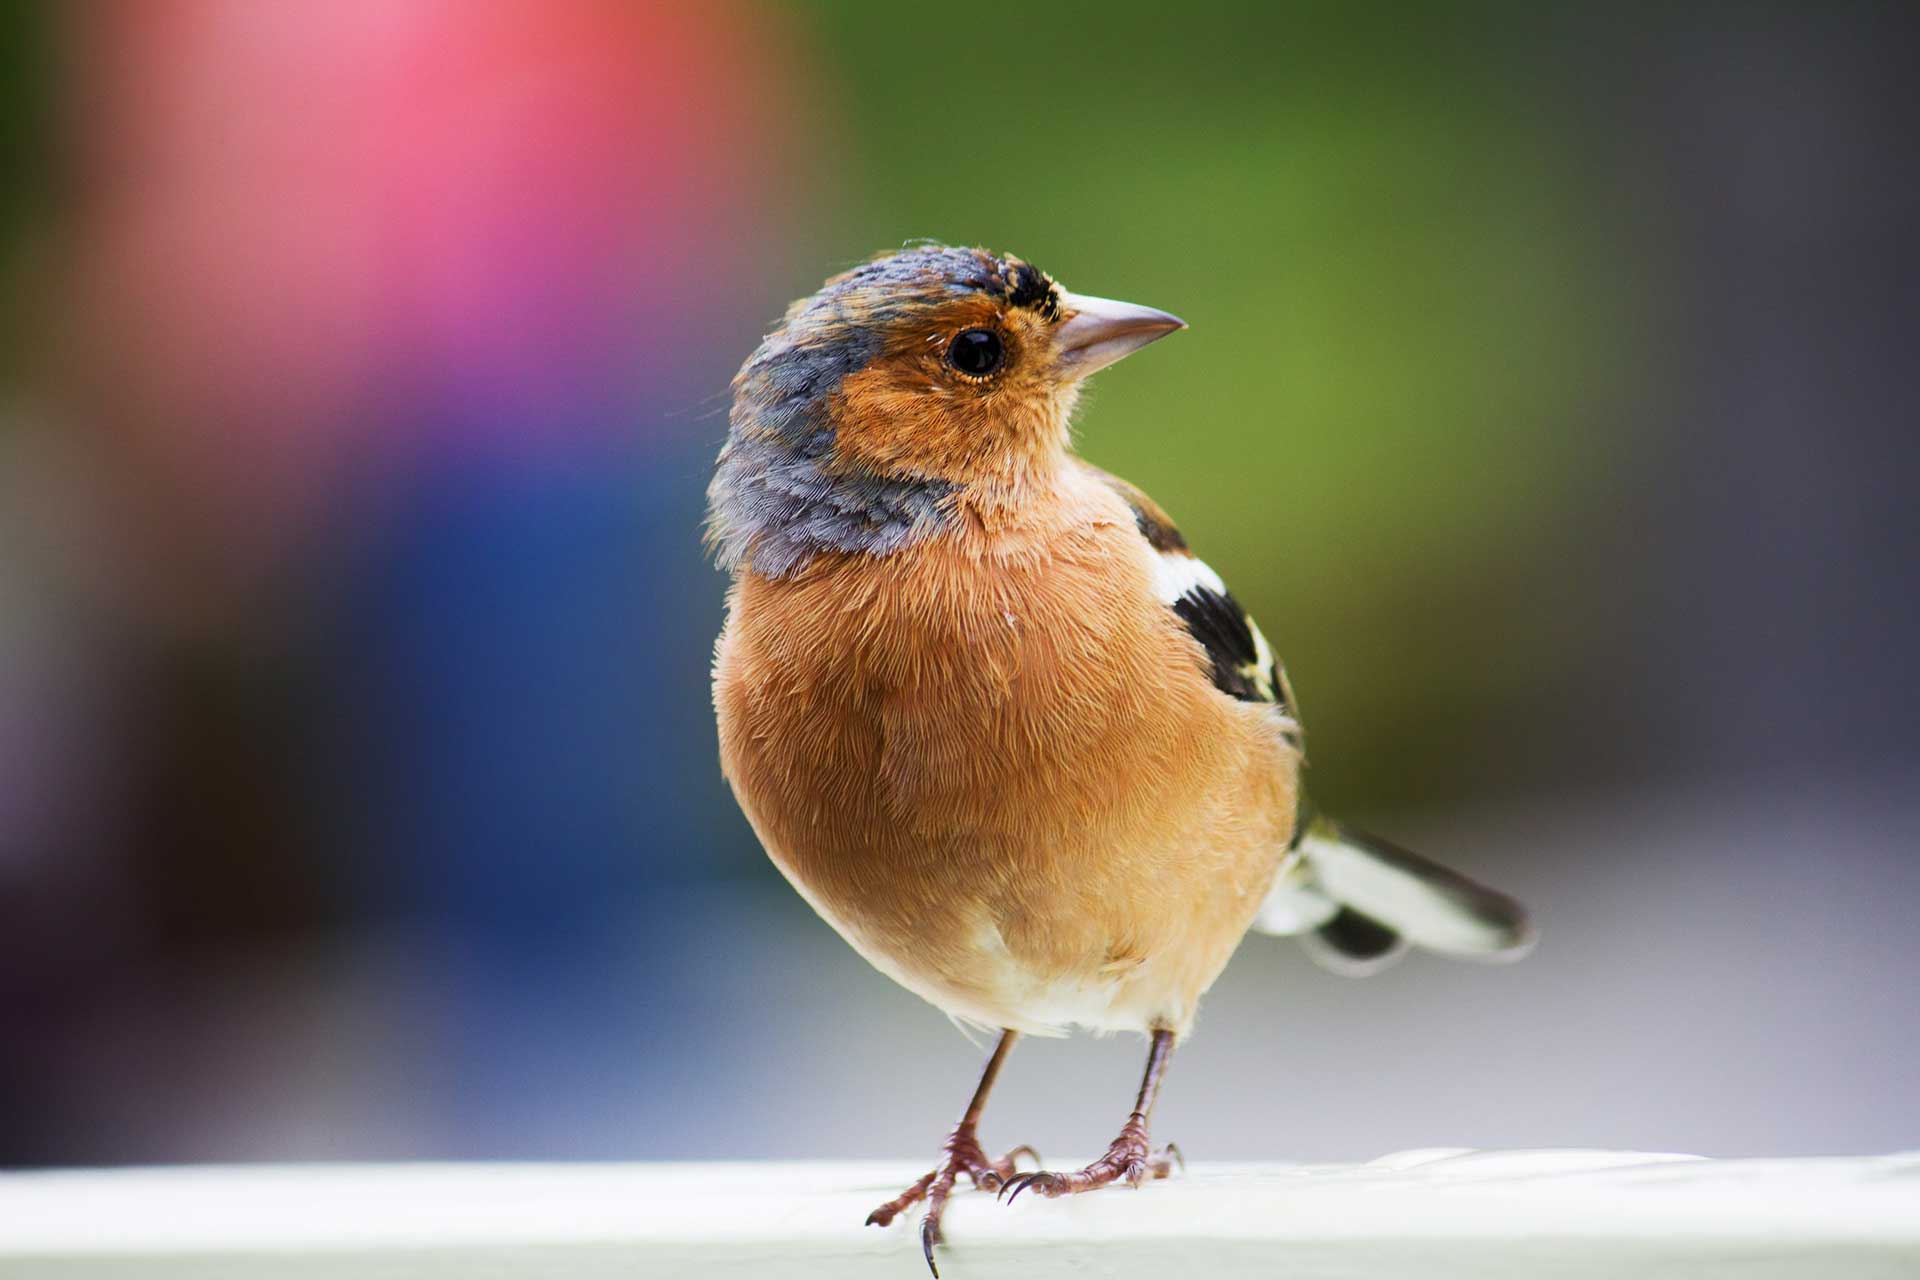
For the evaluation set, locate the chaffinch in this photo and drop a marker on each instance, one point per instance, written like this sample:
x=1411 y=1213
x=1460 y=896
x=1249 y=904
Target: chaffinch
x=991 y=716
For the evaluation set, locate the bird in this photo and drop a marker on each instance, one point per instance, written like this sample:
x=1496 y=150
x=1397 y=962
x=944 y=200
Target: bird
x=991 y=716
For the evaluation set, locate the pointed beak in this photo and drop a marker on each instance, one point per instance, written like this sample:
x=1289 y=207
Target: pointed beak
x=1099 y=331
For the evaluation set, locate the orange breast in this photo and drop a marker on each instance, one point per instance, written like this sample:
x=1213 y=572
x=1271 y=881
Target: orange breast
x=994 y=762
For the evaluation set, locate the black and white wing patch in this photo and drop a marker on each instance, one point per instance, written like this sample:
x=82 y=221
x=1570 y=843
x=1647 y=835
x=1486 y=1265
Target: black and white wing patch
x=1242 y=660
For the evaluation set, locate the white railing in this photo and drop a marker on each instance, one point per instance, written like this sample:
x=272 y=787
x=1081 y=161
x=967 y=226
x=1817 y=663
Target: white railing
x=1426 y=1215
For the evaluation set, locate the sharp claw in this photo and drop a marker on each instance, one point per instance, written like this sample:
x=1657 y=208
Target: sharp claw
x=928 y=1232
x=875 y=1220
x=1173 y=1149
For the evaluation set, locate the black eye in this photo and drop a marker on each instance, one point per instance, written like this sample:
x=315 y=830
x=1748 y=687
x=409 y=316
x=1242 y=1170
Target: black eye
x=976 y=352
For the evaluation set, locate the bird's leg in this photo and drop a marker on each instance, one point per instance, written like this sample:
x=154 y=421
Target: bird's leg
x=960 y=1154
x=1130 y=1157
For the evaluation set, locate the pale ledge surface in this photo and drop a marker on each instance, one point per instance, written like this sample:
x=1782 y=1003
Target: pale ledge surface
x=1432 y=1214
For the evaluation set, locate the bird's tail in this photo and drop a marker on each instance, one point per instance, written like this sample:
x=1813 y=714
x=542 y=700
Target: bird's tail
x=1357 y=902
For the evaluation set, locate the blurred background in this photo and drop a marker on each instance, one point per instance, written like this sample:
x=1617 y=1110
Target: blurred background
x=1549 y=397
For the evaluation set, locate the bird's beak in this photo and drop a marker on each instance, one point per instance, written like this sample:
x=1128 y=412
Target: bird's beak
x=1099 y=331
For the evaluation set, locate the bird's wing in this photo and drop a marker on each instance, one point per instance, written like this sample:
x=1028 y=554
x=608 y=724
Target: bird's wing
x=1242 y=662
x=1356 y=901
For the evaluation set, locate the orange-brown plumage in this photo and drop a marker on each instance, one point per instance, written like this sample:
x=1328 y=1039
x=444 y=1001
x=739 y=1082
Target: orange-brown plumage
x=995 y=762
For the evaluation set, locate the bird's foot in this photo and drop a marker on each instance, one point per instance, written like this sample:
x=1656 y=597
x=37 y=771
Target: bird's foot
x=1129 y=1159
x=962 y=1153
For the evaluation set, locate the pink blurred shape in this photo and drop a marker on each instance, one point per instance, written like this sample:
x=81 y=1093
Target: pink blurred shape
x=318 y=243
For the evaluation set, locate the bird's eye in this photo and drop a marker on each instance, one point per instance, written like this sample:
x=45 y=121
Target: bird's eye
x=976 y=352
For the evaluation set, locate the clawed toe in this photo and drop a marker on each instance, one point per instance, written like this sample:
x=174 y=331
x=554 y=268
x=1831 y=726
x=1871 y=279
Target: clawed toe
x=1127 y=1160
x=961 y=1155
x=886 y=1213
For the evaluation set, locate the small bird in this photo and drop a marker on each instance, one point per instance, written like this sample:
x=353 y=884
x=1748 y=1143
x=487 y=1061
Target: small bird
x=990 y=715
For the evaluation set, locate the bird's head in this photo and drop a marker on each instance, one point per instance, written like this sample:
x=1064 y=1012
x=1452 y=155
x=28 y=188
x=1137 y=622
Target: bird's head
x=909 y=380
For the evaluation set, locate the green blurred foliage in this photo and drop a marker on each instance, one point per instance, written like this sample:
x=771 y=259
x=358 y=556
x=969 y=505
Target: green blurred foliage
x=30 y=164
x=27 y=138
x=1389 y=410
